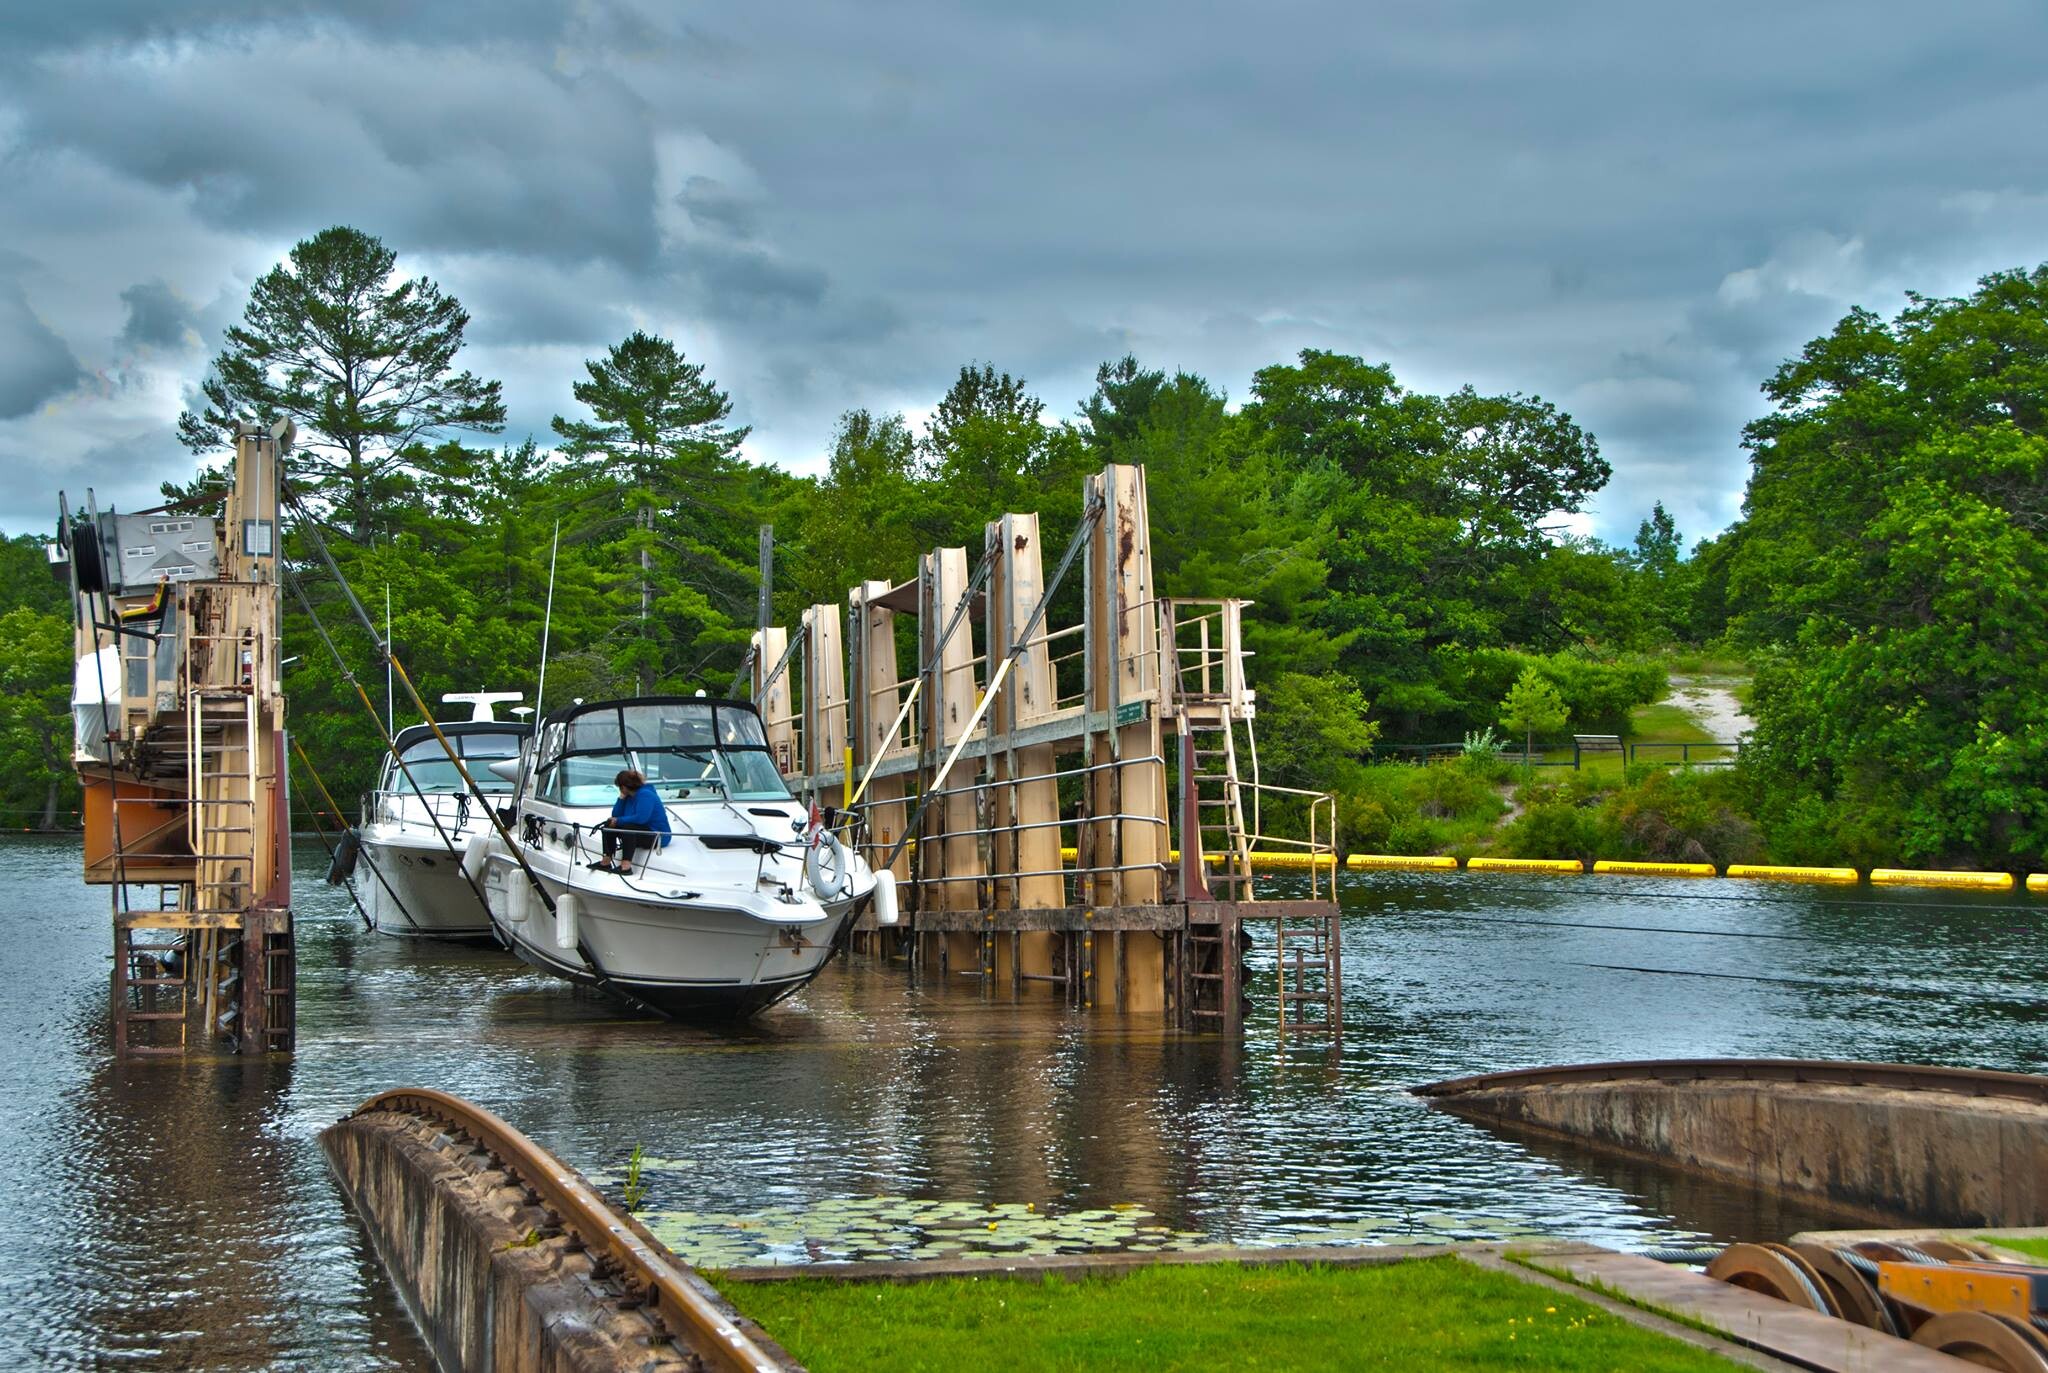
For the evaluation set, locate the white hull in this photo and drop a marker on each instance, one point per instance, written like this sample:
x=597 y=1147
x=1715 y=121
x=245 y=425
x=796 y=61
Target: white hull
x=721 y=955
x=738 y=907
x=415 y=887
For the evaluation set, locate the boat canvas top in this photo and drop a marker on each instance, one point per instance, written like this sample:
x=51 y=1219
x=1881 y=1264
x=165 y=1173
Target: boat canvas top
x=689 y=748
x=478 y=742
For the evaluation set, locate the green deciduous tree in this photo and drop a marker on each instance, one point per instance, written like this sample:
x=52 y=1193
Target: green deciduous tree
x=1431 y=514
x=364 y=363
x=1532 y=707
x=35 y=718
x=1891 y=569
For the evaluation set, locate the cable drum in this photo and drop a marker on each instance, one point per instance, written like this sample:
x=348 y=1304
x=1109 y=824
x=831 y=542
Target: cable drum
x=827 y=866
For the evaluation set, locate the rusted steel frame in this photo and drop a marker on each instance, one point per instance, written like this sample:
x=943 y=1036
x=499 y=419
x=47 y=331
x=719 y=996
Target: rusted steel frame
x=563 y=1191
x=1827 y=1072
x=1267 y=909
x=179 y=920
x=1047 y=872
x=1139 y=917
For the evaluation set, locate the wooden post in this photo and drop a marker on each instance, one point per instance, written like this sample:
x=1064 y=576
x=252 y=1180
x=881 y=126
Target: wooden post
x=1024 y=812
x=1123 y=638
x=875 y=699
x=950 y=699
x=773 y=701
x=824 y=692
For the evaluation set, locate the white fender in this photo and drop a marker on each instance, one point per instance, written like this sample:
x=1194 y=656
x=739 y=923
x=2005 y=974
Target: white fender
x=565 y=921
x=837 y=880
x=885 y=897
x=473 y=855
x=518 y=898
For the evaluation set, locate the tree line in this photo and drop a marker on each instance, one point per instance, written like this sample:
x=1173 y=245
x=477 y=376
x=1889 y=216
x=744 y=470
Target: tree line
x=1404 y=548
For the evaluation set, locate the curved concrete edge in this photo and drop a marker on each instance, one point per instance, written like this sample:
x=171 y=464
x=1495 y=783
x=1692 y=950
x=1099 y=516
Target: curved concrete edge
x=1892 y=1154
x=490 y=1279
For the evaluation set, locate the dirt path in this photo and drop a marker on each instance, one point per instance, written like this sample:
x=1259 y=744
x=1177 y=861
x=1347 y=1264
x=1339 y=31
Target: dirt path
x=1711 y=701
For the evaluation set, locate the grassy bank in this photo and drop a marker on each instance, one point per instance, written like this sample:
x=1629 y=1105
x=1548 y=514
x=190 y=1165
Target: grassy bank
x=1428 y=1313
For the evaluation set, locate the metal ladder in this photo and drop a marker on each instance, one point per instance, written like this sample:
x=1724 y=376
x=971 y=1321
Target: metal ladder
x=222 y=777
x=1214 y=975
x=1307 y=954
x=151 y=984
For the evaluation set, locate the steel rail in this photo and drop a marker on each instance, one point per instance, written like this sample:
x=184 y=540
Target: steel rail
x=692 y=1318
x=1908 y=1077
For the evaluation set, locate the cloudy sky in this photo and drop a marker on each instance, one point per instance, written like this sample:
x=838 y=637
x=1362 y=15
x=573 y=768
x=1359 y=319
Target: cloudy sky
x=1634 y=210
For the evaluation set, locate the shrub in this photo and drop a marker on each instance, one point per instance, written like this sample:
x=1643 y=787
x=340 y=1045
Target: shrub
x=1557 y=829
x=1686 y=817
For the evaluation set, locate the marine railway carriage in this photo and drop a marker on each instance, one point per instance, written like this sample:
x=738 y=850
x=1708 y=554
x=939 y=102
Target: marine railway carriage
x=180 y=752
x=738 y=911
x=417 y=823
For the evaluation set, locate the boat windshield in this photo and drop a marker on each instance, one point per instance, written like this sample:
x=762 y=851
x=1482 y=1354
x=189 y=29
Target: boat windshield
x=432 y=771
x=688 y=751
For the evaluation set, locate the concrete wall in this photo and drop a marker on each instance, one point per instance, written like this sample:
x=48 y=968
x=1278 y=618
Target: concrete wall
x=1919 y=1157
x=453 y=1235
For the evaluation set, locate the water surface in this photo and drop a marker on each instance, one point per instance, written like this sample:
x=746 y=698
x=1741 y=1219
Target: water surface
x=179 y=1215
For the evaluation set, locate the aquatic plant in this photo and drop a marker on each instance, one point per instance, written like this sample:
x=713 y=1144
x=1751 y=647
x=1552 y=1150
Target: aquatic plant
x=634 y=1189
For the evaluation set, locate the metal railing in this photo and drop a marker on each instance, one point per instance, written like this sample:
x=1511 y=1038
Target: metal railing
x=1321 y=803
x=1730 y=752
x=1079 y=881
x=432 y=811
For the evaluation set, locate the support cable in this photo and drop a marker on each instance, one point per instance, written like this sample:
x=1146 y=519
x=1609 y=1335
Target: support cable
x=321 y=829
x=1626 y=929
x=1010 y=656
x=312 y=530
x=390 y=746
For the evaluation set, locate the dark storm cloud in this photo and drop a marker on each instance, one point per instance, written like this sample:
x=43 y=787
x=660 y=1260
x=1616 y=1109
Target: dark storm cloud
x=35 y=365
x=435 y=150
x=36 y=28
x=1636 y=211
x=158 y=316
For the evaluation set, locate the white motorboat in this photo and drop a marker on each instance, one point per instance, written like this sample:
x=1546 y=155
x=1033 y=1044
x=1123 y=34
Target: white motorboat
x=418 y=822
x=741 y=908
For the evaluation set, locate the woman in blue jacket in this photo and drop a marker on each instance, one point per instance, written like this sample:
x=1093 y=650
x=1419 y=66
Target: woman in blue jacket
x=637 y=816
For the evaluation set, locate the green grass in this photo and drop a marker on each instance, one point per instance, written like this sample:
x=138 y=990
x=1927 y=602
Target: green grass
x=1700 y=662
x=2033 y=1245
x=1427 y=1313
x=1667 y=722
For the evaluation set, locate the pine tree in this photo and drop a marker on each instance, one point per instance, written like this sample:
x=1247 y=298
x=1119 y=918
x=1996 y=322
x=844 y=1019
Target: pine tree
x=363 y=363
x=660 y=461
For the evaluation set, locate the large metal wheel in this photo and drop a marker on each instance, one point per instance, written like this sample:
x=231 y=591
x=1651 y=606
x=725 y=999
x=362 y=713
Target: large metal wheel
x=1985 y=1340
x=1773 y=1271
x=1855 y=1293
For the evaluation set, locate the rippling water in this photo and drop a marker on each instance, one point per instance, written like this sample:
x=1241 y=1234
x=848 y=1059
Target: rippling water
x=179 y=1215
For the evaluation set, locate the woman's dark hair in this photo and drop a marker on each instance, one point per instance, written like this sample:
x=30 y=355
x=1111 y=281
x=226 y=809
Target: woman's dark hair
x=630 y=780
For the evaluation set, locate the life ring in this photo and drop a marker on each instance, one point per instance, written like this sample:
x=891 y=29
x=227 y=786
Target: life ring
x=830 y=880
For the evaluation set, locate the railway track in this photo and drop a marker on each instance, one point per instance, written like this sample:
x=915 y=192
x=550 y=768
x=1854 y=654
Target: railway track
x=629 y=1260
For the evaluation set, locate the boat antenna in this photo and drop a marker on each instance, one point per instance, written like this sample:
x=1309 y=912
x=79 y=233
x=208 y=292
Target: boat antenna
x=528 y=754
x=547 y=622
x=390 y=701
